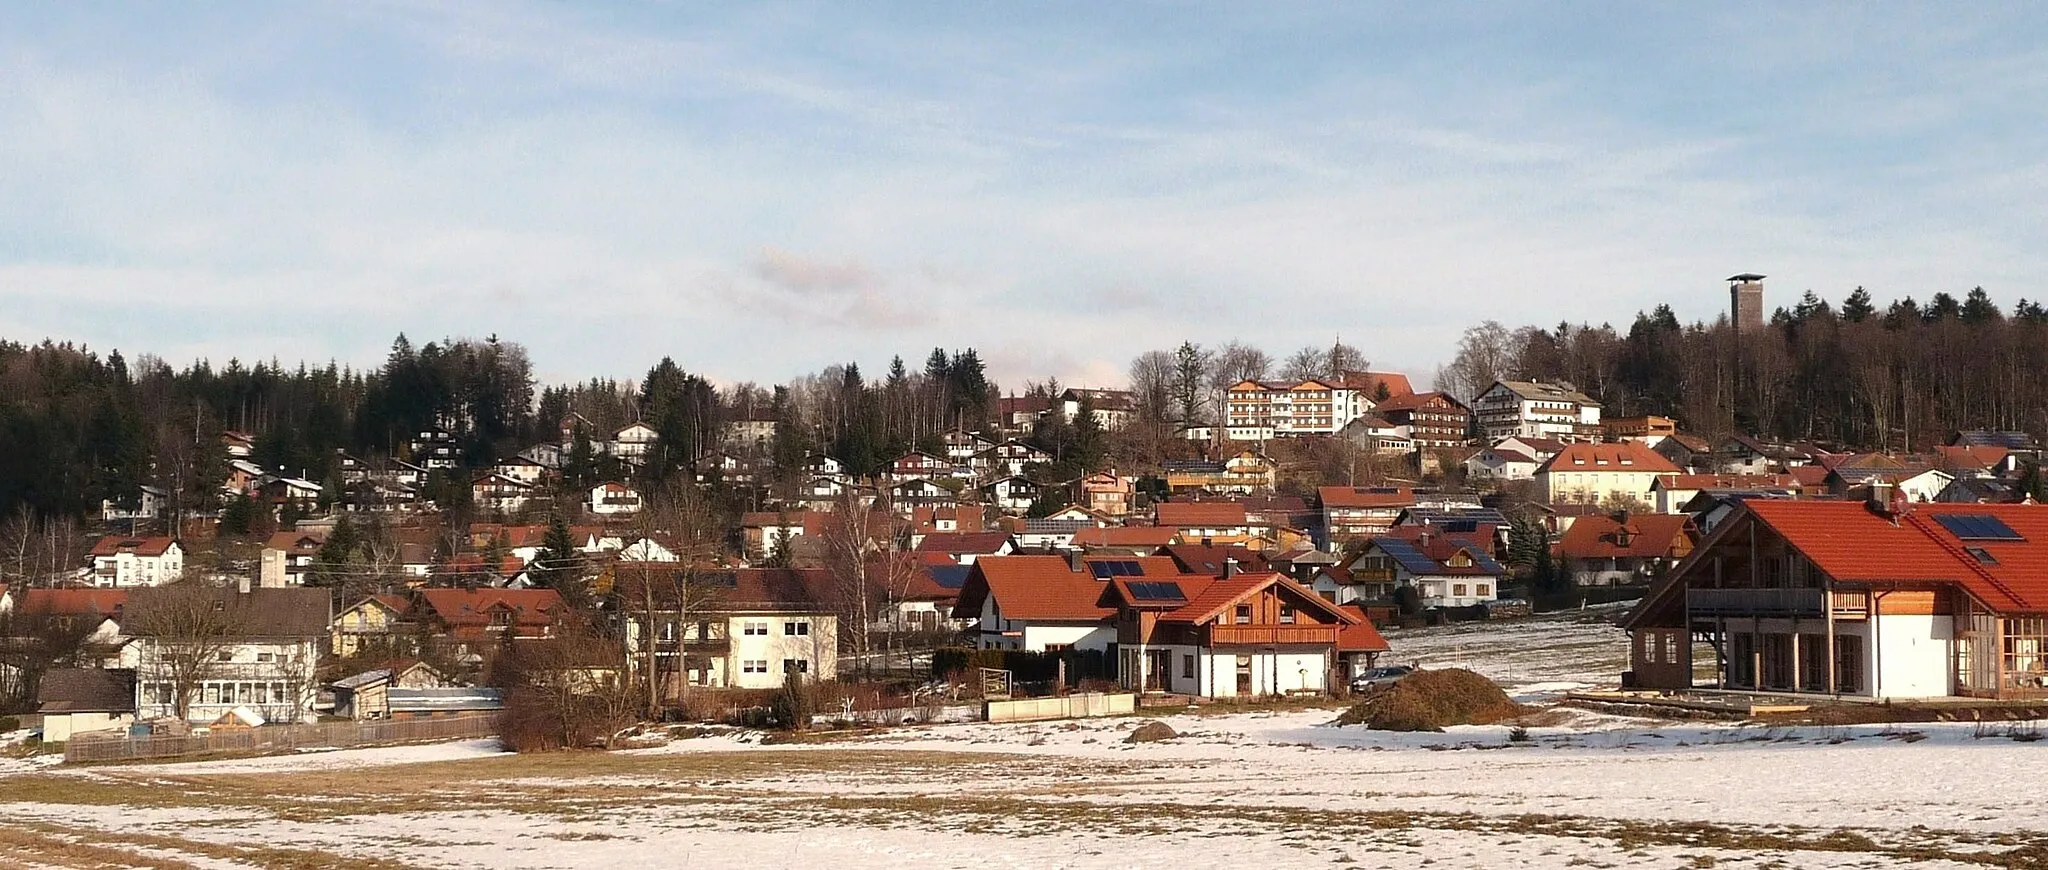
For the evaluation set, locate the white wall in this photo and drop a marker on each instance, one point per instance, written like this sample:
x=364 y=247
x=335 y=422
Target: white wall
x=1296 y=670
x=819 y=646
x=58 y=727
x=1914 y=653
x=1085 y=637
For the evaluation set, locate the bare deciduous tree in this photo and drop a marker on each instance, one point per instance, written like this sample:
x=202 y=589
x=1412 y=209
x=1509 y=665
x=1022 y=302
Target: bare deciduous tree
x=186 y=626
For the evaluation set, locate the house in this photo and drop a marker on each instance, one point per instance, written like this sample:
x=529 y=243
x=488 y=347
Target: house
x=432 y=703
x=434 y=448
x=613 y=499
x=1229 y=637
x=633 y=441
x=279 y=491
x=470 y=620
x=1623 y=549
x=146 y=504
x=1011 y=458
x=1376 y=435
x=1619 y=473
x=965 y=548
x=962 y=447
x=1247 y=472
x=374 y=623
x=1500 y=463
x=1264 y=410
x=1106 y=493
x=1864 y=599
x=1036 y=604
x=1113 y=408
x=750 y=434
x=1222 y=522
x=1430 y=420
x=492 y=491
x=1977 y=490
x=1021 y=413
x=762 y=531
x=912 y=494
x=1670 y=493
x=74 y=626
x=260 y=648
x=286 y=558
x=1741 y=454
x=1210 y=560
x=237 y=445
x=1537 y=410
x=367 y=695
x=2020 y=444
x=1352 y=512
x=521 y=469
x=918 y=465
x=1046 y=533
x=120 y=561
x=1444 y=568
x=1855 y=479
x=548 y=456
x=85 y=700
x=1686 y=451
x=1648 y=428
x=1541 y=448
x=748 y=628
x=1989 y=460
x=1010 y=495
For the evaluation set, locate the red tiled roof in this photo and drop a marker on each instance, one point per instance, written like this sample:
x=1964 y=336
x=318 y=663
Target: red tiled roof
x=1361 y=636
x=1209 y=560
x=1366 y=496
x=1208 y=514
x=1211 y=601
x=1851 y=543
x=143 y=546
x=1808 y=475
x=531 y=607
x=71 y=602
x=1411 y=402
x=1034 y=588
x=1612 y=457
x=1983 y=456
x=1599 y=537
x=295 y=542
x=1148 y=566
x=1726 y=481
x=1369 y=382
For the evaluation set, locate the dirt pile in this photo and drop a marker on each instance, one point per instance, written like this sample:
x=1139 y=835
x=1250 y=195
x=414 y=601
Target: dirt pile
x=1151 y=732
x=1432 y=701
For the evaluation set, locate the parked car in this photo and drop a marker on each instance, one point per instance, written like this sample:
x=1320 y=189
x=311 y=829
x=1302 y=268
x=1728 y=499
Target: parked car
x=1374 y=677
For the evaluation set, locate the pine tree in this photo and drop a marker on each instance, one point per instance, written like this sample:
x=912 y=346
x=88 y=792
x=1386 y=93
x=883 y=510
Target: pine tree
x=1857 y=307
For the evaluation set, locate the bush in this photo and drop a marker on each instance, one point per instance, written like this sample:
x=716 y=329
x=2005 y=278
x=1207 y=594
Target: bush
x=9 y=723
x=1432 y=701
x=795 y=705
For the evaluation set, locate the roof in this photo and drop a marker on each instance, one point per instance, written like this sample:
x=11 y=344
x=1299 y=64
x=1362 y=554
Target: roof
x=71 y=602
x=733 y=590
x=1033 y=588
x=1548 y=392
x=1147 y=537
x=1973 y=457
x=1361 y=636
x=1204 y=514
x=964 y=543
x=140 y=546
x=1746 y=276
x=1415 y=401
x=1370 y=382
x=86 y=690
x=1617 y=456
x=443 y=700
x=1726 y=481
x=1366 y=496
x=1984 y=437
x=1425 y=553
x=529 y=607
x=296 y=542
x=260 y=612
x=1210 y=601
x=1850 y=542
x=1212 y=560
x=1649 y=536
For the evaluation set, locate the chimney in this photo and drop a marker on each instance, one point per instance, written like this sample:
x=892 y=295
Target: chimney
x=1230 y=568
x=1882 y=500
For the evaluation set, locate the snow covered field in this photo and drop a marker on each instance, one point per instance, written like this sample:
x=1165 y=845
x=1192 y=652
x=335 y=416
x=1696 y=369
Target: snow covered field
x=1253 y=789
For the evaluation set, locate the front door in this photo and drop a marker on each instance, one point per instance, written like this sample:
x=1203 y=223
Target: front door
x=1244 y=675
x=1159 y=670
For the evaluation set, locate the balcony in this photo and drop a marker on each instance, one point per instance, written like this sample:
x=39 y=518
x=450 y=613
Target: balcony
x=1754 y=602
x=1267 y=635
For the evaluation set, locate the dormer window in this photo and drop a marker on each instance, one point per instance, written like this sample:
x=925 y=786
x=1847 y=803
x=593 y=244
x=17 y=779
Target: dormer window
x=1244 y=614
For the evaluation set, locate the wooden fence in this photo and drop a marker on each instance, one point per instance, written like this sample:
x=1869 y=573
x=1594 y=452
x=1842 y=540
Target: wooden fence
x=275 y=739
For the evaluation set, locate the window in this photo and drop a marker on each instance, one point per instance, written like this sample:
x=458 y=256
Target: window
x=262 y=693
x=211 y=694
x=796 y=629
x=796 y=666
x=754 y=629
x=227 y=693
x=1187 y=666
x=1457 y=590
x=1244 y=614
x=226 y=655
x=1286 y=614
x=266 y=657
x=754 y=666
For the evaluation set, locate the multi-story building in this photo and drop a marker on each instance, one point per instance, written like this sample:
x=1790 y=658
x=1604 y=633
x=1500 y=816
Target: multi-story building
x=1264 y=410
x=259 y=650
x=1430 y=420
x=747 y=628
x=1613 y=474
x=1355 y=512
x=1537 y=410
x=124 y=561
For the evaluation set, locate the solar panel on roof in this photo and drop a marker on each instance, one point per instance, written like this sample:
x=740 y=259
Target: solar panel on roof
x=951 y=576
x=1977 y=527
x=1155 y=590
x=1100 y=570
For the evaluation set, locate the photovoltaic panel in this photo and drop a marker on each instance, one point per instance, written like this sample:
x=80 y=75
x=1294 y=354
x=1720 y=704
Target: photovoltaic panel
x=1155 y=590
x=1977 y=527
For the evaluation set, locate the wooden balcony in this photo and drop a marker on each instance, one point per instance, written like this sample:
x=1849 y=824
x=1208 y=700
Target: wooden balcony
x=1270 y=635
x=1753 y=602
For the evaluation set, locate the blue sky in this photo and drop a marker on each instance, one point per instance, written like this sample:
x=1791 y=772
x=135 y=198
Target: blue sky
x=761 y=190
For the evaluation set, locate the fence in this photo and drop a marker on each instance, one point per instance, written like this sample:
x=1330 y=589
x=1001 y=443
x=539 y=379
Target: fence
x=274 y=739
x=1080 y=705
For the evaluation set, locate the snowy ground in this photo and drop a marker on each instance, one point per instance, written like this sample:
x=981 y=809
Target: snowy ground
x=1242 y=790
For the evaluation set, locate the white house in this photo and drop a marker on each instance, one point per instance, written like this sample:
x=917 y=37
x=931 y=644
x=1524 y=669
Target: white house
x=150 y=503
x=1240 y=636
x=758 y=626
x=1036 y=604
x=260 y=650
x=1539 y=410
x=1010 y=495
x=1500 y=463
x=1446 y=569
x=119 y=561
x=614 y=499
x=83 y=700
x=1596 y=473
x=633 y=441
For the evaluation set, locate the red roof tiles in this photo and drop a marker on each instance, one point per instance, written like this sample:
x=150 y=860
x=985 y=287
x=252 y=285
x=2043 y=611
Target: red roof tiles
x=1851 y=543
x=1612 y=457
x=1201 y=515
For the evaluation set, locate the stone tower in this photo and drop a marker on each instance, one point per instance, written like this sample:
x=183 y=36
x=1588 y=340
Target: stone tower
x=1746 y=302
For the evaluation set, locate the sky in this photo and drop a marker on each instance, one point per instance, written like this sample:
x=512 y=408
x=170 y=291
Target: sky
x=761 y=190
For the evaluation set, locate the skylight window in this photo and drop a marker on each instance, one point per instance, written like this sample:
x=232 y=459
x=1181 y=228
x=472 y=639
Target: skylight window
x=1982 y=555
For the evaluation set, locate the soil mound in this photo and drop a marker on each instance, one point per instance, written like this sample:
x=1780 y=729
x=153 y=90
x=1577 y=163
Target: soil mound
x=1151 y=732
x=1432 y=701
